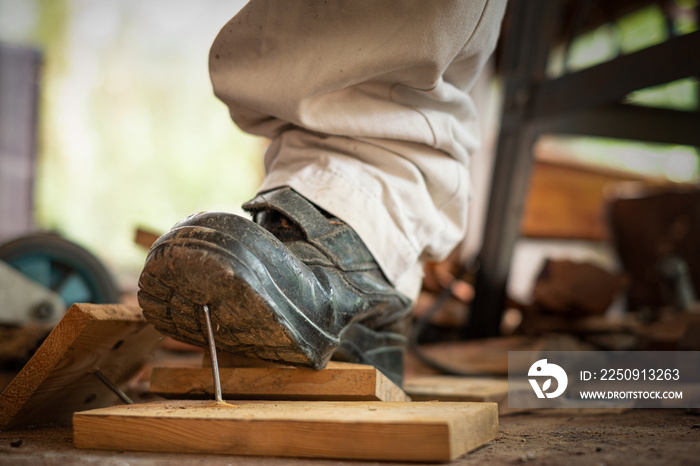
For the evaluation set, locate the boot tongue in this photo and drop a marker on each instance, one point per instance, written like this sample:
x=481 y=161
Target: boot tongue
x=279 y=225
x=291 y=217
x=298 y=212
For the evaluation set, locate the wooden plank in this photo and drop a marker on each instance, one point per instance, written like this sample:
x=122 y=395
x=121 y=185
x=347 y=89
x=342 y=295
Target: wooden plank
x=428 y=431
x=626 y=121
x=575 y=288
x=473 y=389
x=487 y=357
x=59 y=379
x=451 y=388
x=337 y=382
x=568 y=201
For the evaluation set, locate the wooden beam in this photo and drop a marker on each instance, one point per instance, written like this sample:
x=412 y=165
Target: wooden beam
x=337 y=382
x=623 y=121
x=59 y=379
x=428 y=432
x=611 y=81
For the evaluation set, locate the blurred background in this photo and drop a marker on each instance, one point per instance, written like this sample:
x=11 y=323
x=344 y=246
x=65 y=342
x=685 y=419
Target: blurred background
x=129 y=132
x=125 y=133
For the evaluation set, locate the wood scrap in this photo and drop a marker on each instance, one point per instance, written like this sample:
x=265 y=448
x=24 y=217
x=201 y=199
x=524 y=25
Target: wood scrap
x=673 y=331
x=594 y=332
x=17 y=343
x=480 y=389
x=473 y=389
x=484 y=357
x=649 y=225
x=567 y=287
x=425 y=431
x=567 y=200
x=59 y=378
x=488 y=357
x=338 y=381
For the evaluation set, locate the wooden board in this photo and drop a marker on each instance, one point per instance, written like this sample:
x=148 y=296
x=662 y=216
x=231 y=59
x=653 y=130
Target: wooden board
x=576 y=288
x=452 y=388
x=487 y=357
x=59 y=379
x=568 y=201
x=475 y=389
x=423 y=431
x=337 y=382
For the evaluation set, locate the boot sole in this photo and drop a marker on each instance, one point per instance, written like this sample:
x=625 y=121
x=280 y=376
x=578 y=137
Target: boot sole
x=251 y=316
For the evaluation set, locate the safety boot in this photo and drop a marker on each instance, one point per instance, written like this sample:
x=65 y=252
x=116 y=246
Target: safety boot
x=294 y=285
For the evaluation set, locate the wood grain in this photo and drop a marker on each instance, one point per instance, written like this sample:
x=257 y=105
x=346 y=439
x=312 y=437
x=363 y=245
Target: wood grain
x=568 y=201
x=426 y=431
x=337 y=382
x=59 y=379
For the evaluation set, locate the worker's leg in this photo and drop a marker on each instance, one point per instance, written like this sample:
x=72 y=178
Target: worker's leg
x=367 y=105
x=372 y=126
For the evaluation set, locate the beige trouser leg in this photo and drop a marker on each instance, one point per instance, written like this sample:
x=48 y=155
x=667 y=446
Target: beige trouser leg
x=367 y=106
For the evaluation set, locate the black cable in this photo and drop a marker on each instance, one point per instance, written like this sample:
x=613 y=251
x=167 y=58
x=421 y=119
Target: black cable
x=420 y=325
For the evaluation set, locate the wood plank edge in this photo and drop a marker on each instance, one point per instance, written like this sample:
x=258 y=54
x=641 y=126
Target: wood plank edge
x=87 y=428
x=265 y=397
x=39 y=366
x=52 y=351
x=384 y=389
x=387 y=390
x=486 y=430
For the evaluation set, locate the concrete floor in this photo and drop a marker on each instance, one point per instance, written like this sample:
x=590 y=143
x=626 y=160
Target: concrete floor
x=553 y=437
x=546 y=437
